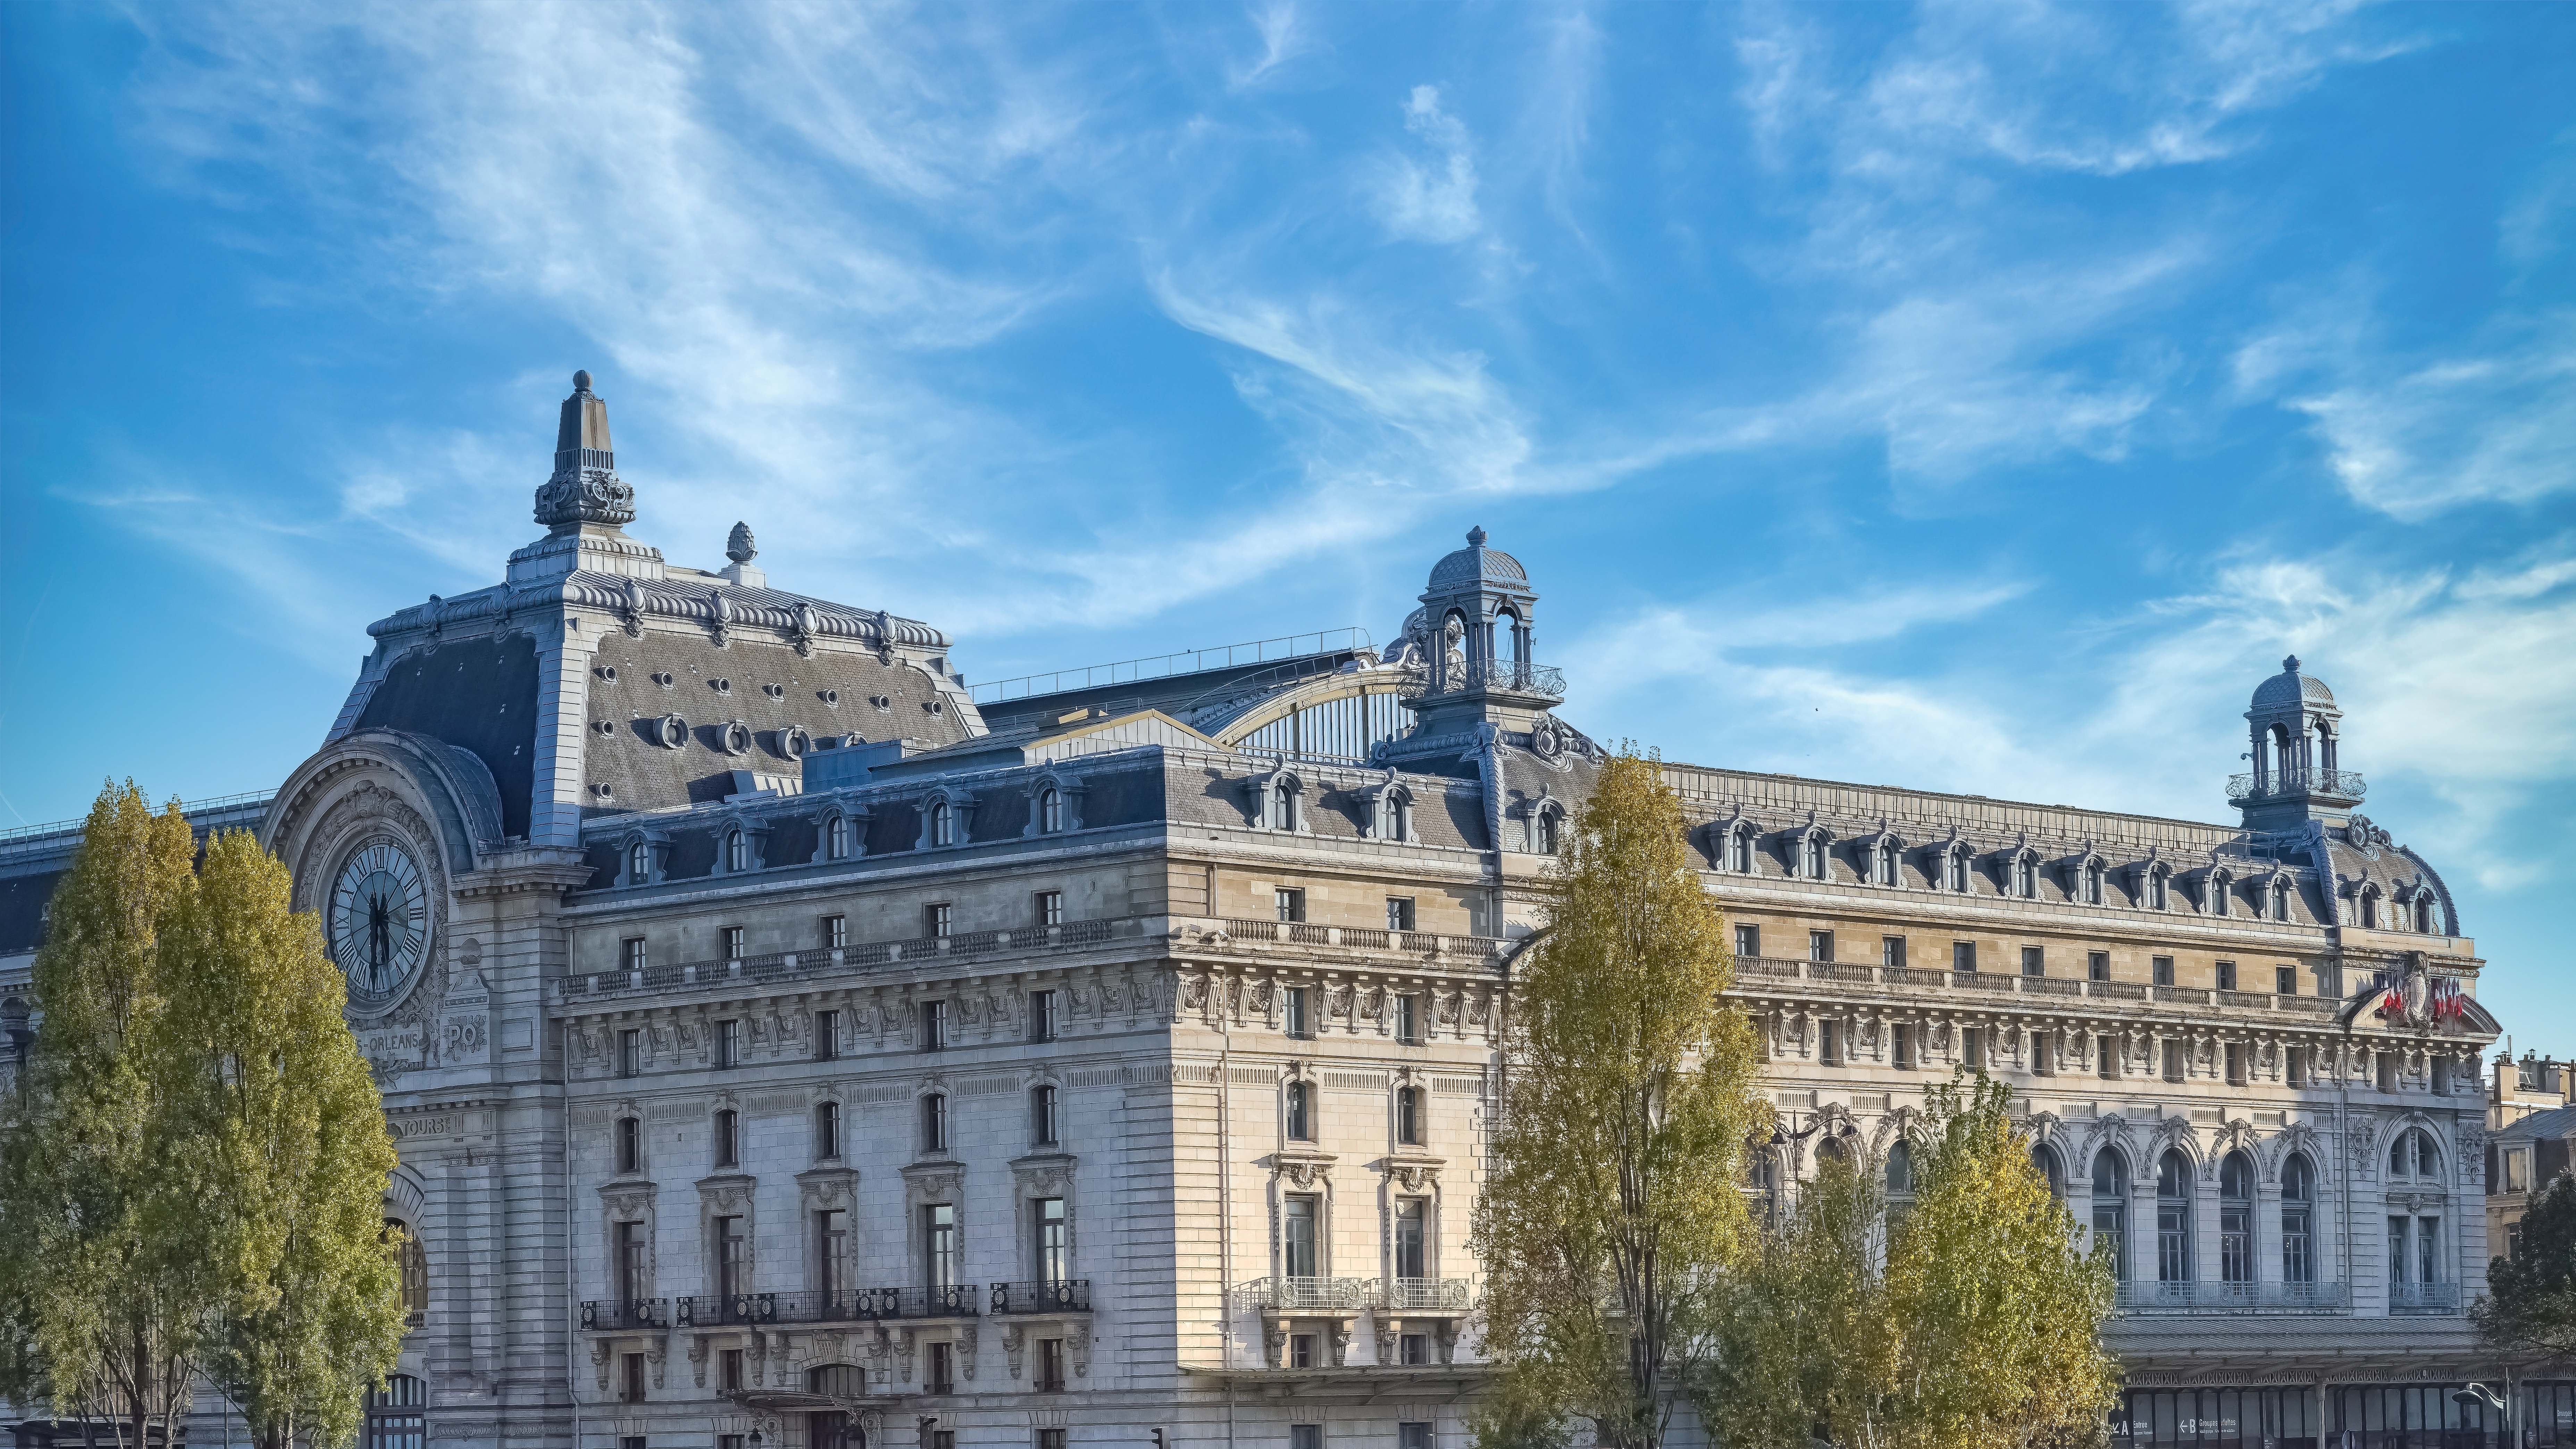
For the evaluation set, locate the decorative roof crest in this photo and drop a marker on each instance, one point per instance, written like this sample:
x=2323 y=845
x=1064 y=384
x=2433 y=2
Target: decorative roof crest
x=585 y=487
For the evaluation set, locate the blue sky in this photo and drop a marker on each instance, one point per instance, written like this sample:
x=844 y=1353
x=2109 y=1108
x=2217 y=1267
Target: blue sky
x=1981 y=399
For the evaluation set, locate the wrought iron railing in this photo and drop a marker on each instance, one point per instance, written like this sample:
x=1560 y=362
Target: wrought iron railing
x=626 y=1313
x=2199 y=1297
x=1309 y=1295
x=782 y=964
x=2423 y=1297
x=1048 y=1295
x=1510 y=674
x=1419 y=1295
x=1368 y=938
x=2342 y=784
x=956 y=1300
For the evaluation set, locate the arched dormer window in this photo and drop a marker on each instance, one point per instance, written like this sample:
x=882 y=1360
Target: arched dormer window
x=1954 y=869
x=1811 y=855
x=639 y=863
x=2088 y=881
x=2025 y=875
x=2424 y=912
x=2221 y=887
x=1050 y=810
x=1548 y=827
x=1281 y=802
x=1884 y=871
x=836 y=837
x=737 y=852
x=1738 y=854
x=943 y=824
x=2280 y=899
x=2159 y=886
x=1390 y=812
x=2369 y=907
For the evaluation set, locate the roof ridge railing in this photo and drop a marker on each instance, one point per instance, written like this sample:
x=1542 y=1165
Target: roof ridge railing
x=16 y=833
x=1164 y=666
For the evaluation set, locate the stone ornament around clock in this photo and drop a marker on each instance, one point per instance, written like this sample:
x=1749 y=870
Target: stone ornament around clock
x=379 y=921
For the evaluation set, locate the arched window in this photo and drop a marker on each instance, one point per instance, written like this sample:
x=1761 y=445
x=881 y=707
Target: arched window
x=2414 y=1155
x=2043 y=1160
x=397 y=1414
x=2221 y=885
x=2298 y=1217
x=2236 y=1220
x=1900 y=1169
x=2424 y=914
x=2025 y=876
x=1408 y=1116
x=943 y=824
x=1050 y=811
x=1831 y=1152
x=1045 y=1128
x=2156 y=897
x=827 y=1131
x=836 y=838
x=1300 y=1128
x=2111 y=1210
x=1739 y=850
x=1887 y=862
x=1548 y=839
x=2281 y=901
x=1283 y=805
x=639 y=863
x=1811 y=856
x=1956 y=868
x=2090 y=878
x=2173 y=1218
x=411 y=1264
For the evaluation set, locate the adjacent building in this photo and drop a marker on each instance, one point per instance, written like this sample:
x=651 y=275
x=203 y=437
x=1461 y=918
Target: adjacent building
x=792 y=1045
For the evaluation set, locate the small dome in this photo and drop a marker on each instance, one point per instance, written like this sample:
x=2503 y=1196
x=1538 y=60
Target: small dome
x=2289 y=689
x=1476 y=564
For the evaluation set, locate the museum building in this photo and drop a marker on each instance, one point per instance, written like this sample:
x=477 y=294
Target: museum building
x=792 y=1047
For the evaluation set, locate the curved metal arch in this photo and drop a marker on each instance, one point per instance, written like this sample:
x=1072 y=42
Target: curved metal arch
x=1269 y=709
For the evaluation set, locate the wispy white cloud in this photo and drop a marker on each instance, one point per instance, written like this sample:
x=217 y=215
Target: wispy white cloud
x=2493 y=427
x=1431 y=200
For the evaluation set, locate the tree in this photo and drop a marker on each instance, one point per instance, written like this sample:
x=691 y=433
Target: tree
x=2530 y=1308
x=195 y=1171
x=283 y=1150
x=1611 y=1207
x=1969 y=1317
x=110 y=1305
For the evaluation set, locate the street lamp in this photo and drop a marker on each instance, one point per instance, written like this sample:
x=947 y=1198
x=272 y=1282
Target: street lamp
x=2488 y=1400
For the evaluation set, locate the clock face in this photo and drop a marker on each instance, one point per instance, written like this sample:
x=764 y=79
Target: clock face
x=379 y=923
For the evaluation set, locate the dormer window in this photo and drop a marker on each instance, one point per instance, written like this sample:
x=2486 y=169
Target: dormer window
x=1811 y=856
x=639 y=863
x=1279 y=803
x=1548 y=840
x=2089 y=880
x=1050 y=810
x=1739 y=851
x=2424 y=914
x=1954 y=869
x=2219 y=887
x=2281 y=901
x=1886 y=857
x=737 y=852
x=943 y=824
x=836 y=838
x=2370 y=908
x=2156 y=886
x=2025 y=876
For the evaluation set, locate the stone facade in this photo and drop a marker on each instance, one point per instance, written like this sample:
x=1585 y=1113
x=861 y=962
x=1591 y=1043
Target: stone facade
x=801 y=1049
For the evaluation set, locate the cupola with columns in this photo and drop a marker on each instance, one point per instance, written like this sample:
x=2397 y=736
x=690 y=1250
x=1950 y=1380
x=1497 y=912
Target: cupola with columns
x=1477 y=632
x=2294 y=728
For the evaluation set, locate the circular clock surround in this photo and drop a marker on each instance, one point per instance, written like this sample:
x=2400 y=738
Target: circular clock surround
x=379 y=921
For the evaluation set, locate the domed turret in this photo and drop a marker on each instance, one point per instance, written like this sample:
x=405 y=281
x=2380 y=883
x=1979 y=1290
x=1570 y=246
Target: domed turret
x=1476 y=634
x=1476 y=564
x=2295 y=728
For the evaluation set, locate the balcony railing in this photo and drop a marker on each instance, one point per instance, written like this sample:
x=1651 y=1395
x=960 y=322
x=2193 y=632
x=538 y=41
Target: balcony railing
x=2234 y=1298
x=628 y=1314
x=781 y=965
x=1753 y=972
x=2423 y=1297
x=1418 y=1295
x=1310 y=1295
x=957 y=1300
x=1055 y=1295
x=1505 y=674
x=2339 y=784
x=1368 y=938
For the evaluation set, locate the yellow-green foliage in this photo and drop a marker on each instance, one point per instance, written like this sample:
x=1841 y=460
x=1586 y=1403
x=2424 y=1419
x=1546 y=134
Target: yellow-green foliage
x=1803 y=1332
x=196 y=1170
x=1610 y=1205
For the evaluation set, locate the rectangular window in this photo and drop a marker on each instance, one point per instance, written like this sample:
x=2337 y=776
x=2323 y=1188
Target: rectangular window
x=1296 y=1013
x=630 y=1262
x=2034 y=961
x=1291 y=903
x=2097 y=965
x=729 y=1370
x=2387 y=1071
x=1399 y=913
x=1414 y=1348
x=2160 y=970
x=2428 y=1252
x=1301 y=1354
x=2442 y=1075
x=827 y=1131
x=1963 y=956
x=631 y=954
x=939 y=1244
x=2173 y=1060
x=732 y=943
x=630 y=1053
x=2397 y=1258
x=1903 y=1040
x=1820 y=945
x=1044 y=1128
x=2285 y=980
x=1891 y=951
x=944 y=1438
x=728 y=1138
x=1748 y=940
x=827 y=1035
x=1972 y=1047
x=633 y=1390
x=2106 y=1052
x=939 y=1376
x=934 y=1122
x=1408 y=1116
x=1306 y=1436
x=2226 y=975
x=1048 y=1214
x=1050 y=908
x=1829 y=1043
x=1297 y=1242
x=1408 y=1019
x=1051 y=1380
x=1409 y=1215
x=934 y=1026
x=1299 y=1130
x=936 y=919
x=729 y=1043
x=832 y=1250
x=1041 y=1016
x=2294 y=1062
x=836 y=932
x=2517 y=1169
x=630 y=1144
x=729 y=1258
x=2236 y=1064
x=1413 y=1436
